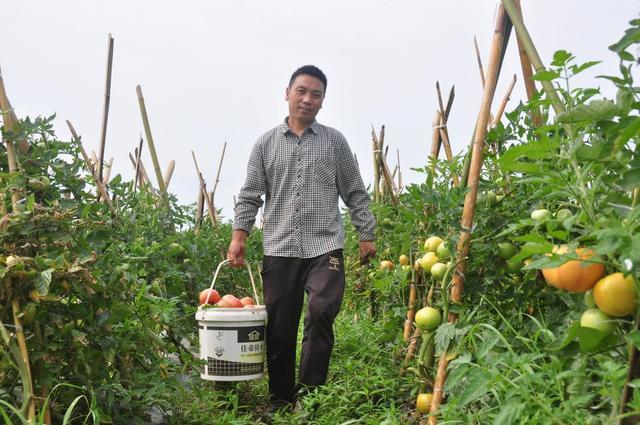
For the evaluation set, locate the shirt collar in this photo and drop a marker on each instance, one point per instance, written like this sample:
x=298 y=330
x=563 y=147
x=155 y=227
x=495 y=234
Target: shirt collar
x=314 y=127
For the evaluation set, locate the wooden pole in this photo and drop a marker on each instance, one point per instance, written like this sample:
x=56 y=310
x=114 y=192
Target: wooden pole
x=500 y=36
x=399 y=171
x=376 y=166
x=386 y=173
x=532 y=53
x=137 y=179
x=105 y=109
x=203 y=188
x=435 y=148
x=9 y=117
x=107 y=173
x=444 y=133
x=199 y=209
x=503 y=103
x=143 y=172
x=168 y=173
x=479 y=59
x=527 y=73
x=215 y=184
x=152 y=146
x=9 y=123
x=102 y=190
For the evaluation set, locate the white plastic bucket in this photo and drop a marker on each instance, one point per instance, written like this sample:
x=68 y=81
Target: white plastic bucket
x=232 y=343
x=232 y=340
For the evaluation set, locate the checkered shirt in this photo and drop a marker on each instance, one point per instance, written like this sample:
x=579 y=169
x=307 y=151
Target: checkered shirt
x=302 y=178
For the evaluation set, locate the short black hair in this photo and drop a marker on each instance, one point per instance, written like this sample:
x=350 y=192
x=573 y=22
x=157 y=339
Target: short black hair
x=311 y=70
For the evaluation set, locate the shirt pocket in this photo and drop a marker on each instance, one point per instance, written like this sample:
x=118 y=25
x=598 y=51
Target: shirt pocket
x=324 y=172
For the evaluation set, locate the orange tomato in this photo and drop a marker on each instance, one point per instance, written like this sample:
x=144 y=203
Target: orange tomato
x=574 y=275
x=616 y=295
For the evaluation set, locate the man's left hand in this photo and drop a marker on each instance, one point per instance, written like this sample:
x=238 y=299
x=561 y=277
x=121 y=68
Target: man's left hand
x=367 y=251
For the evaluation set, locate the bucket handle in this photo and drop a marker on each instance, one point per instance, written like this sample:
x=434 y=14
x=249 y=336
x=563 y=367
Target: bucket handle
x=253 y=285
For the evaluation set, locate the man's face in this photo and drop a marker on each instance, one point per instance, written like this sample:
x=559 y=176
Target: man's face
x=305 y=96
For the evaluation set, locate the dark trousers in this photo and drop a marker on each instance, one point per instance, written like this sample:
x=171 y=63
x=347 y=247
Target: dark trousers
x=285 y=282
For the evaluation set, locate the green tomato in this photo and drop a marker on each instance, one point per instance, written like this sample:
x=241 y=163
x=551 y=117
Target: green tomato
x=589 y=301
x=541 y=214
x=443 y=251
x=514 y=266
x=563 y=214
x=438 y=270
x=506 y=250
x=597 y=319
x=428 y=318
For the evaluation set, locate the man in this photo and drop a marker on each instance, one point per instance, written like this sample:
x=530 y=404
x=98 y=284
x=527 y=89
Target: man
x=302 y=167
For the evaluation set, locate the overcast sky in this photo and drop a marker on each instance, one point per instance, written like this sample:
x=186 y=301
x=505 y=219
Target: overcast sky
x=216 y=71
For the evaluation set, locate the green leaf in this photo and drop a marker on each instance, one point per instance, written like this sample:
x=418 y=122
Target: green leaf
x=31 y=202
x=631 y=130
x=545 y=75
x=576 y=69
x=634 y=338
x=512 y=159
x=561 y=57
x=444 y=336
x=631 y=36
x=509 y=414
x=624 y=99
x=599 y=150
x=593 y=111
x=631 y=179
x=476 y=386
x=43 y=281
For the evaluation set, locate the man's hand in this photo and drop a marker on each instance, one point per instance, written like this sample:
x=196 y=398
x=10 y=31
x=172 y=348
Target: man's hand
x=235 y=254
x=367 y=251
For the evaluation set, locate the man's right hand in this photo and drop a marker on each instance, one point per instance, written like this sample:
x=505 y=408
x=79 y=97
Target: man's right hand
x=235 y=254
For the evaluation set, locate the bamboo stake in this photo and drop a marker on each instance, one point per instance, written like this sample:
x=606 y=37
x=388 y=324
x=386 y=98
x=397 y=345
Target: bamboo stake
x=527 y=73
x=532 y=53
x=199 y=209
x=386 y=173
x=94 y=159
x=9 y=120
x=143 y=171
x=475 y=43
x=503 y=103
x=107 y=173
x=399 y=170
x=137 y=179
x=168 y=173
x=9 y=117
x=15 y=303
x=444 y=132
x=105 y=110
x=500 y=38
x=203 y=188
x=411 y=311
x=152 y=146
x=102 y=190
x=215 y=184
x=376 y=167
x=435 y=148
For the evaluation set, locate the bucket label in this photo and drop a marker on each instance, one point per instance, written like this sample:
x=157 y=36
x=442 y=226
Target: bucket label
x=244 y=345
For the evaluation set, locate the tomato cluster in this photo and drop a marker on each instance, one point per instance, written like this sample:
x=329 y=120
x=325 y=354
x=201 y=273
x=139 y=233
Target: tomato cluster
x=211 y=296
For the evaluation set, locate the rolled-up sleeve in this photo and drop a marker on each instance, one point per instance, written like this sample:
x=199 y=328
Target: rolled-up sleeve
x=250 y=198
x=353 y=192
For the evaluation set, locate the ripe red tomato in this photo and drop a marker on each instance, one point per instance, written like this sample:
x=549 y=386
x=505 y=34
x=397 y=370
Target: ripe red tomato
x=246 y=301
x=209 y=296
x=229 y=301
